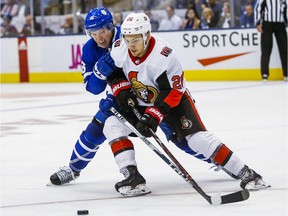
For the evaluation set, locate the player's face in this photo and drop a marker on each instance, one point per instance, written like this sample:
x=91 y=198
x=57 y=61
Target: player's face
x=102 y=37
x=135 y=44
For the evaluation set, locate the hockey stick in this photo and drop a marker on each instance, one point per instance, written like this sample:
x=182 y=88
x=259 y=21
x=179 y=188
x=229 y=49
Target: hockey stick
x=215 y=200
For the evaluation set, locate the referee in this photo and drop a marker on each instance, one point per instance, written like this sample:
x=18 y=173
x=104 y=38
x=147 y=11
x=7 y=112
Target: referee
x=271 y=18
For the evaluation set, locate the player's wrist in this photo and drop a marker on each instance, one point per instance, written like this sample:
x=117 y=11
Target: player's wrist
x=155 y=113
x=118 y=87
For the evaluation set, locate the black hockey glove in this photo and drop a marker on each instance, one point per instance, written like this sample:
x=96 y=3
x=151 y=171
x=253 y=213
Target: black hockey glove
x=124 y=98
x=123 y=94
x=151 y=119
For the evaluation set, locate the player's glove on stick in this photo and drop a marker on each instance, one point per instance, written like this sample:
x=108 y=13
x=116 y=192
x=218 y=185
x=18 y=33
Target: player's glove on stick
x=106 y=104
x=105 y=66
x=124 y=95
x=151 y=119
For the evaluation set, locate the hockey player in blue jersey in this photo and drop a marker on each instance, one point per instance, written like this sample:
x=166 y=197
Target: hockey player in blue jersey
x=96 y=61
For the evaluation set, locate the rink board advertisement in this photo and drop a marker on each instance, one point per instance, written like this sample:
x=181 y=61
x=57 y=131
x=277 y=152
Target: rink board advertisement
x=232 y=54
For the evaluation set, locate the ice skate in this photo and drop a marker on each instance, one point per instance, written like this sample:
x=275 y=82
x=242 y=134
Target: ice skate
x=134 y=183
x=63 y=176
x=251 y=180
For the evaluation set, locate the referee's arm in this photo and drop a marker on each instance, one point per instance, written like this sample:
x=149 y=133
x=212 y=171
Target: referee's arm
x=259 y=13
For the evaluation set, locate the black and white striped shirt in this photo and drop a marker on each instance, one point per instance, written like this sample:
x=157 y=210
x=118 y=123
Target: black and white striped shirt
x=271 y=11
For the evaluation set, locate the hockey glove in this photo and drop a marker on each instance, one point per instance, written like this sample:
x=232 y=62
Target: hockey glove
x=105 y=66
x=106 y=104
x=123 y=94
x=123 y=100
x=151 y=119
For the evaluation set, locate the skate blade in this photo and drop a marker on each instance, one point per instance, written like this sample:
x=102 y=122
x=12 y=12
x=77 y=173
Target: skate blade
x=255 y=186
x=49 y=184
x=139 y=190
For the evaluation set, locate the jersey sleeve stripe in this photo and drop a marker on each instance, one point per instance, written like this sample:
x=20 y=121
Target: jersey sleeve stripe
x=173 y=98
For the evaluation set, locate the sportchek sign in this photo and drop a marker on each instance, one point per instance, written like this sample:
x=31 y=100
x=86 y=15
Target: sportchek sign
x=226 y=54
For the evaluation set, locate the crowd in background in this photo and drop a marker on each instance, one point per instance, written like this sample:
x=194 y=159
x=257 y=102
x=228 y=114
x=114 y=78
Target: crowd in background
x=17 y=20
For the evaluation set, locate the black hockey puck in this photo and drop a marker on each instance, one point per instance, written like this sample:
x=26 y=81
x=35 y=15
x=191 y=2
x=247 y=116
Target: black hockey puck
x=82 y=212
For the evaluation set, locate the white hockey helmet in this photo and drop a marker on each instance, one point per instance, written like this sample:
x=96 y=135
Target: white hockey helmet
x=136 y=23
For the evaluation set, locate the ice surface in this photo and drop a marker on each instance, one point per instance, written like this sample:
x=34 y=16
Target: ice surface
x=40 y=124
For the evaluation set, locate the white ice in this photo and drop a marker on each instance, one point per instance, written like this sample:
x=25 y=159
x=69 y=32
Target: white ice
x=40 y=124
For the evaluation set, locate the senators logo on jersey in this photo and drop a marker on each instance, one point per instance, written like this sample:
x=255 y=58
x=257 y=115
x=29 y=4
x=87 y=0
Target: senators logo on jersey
x=117 y=43
x=166 y=51
x=146 y=93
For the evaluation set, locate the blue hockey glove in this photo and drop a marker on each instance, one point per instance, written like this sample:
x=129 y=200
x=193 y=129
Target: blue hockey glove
x=105 y=65
x=151 y=119
x=106 y=104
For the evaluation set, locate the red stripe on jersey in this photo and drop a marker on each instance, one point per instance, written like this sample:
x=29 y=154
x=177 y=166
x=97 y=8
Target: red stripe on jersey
x=173 y=98
x=116 y=88
x=223 y=155
x=121 y=145
x=195 y=110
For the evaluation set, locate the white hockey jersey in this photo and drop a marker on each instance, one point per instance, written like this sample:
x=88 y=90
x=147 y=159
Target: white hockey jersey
x=158 y=69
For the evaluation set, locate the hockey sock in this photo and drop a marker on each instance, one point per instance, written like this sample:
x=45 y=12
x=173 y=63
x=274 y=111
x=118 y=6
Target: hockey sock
x=124 y=153
x=224 y=157
x=86 y=146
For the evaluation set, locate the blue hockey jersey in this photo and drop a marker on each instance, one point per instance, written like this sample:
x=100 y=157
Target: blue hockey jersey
x=91 y=52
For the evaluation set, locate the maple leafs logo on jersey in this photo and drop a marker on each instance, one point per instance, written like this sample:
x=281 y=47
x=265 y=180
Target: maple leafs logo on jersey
x=166 y=51
x=146 y=93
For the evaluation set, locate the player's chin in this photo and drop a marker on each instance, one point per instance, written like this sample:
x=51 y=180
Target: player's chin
x=103 y=45
x=135 y=53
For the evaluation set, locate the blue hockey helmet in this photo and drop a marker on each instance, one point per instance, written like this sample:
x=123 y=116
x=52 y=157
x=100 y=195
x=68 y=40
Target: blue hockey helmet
x=98 y=18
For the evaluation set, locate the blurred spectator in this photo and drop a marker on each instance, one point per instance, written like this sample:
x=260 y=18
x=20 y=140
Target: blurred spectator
x=154 y=22
x=10 y=9
x=182 y=4
x=247 y=19
x=216 y=8
x=2 y=3
x=27 y=28
x=191 y=21
x=19 y=20
x=247 y=2
x=7 y=29
x=225 y=19
x=165 y=3
x=118 y=18
x=208 y=19
x=198 y=7
x=67 y=27
x=172 y=21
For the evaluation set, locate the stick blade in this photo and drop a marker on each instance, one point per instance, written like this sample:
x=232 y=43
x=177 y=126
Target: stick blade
x=235 y=197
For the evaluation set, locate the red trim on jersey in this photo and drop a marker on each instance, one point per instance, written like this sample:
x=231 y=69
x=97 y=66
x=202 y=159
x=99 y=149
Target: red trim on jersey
x=121 y=145
x=222 y=155
x=123 y=85
x=174 y=98
x=195 y=111
x=143 y=58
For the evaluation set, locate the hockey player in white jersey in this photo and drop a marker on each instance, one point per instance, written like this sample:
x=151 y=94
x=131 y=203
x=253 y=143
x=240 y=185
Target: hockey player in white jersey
x=149 y=73
x=96 y=60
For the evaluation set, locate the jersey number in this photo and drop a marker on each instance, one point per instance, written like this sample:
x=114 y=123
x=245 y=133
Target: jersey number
x=178 y=81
